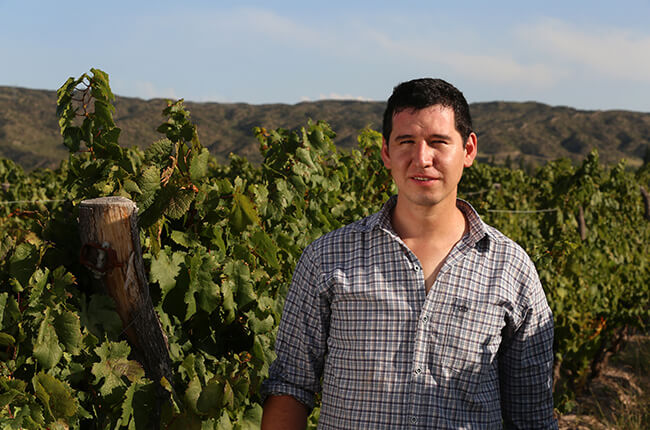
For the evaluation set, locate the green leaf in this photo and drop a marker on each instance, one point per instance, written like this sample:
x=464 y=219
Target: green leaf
x=224 y=422
x=159 y=152
x=192 y=394
x=127 y=406
x=199 y=165
x=185 y=421
x=224 y=186
x=243 y=212
x=284 y=195
x=239 y=273
x=6 y=339
x=228 y=396
x=260 y=326
x=10 y=390
x=57 y=397
x=131 y=187
x=202 y=269
x=179 y=203
x=265 y=248
x=252 y=418
x=165 y=268
x=258 y=349
x=114 y=365
x=149 y=181
x=303 y=155
x=46 y=348
x=68 y=330
x=23 y=262
x=217 y=239
x=101 y=317
x=181 y=238
x=100 y=86
x=297 y=180
x=228 y=304
x=38 y=281
x=6 y=245
x=104 y=114
x=317 y=139
x=202 y=291
x=211 y=399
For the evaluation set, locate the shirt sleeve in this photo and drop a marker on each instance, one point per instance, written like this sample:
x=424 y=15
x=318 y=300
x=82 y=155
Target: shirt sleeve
x=526 y=359
x=301 y=342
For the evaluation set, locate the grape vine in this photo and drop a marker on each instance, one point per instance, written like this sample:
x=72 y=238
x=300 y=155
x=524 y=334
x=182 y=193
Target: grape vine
x=221 y=242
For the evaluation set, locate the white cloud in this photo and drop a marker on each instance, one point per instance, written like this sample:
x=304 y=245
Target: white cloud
x=148 y=90
x=610 y=52
x=480 y=65
x=252 y=24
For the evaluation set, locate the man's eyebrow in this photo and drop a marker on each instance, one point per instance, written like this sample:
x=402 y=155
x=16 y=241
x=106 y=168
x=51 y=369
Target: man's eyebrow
x=440 y=137
x=432 y=136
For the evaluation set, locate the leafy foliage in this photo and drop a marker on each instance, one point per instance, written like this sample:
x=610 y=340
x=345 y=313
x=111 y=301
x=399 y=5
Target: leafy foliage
x=221 y=242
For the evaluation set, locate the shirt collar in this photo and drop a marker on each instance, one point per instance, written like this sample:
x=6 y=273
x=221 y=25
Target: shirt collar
x=477 y=228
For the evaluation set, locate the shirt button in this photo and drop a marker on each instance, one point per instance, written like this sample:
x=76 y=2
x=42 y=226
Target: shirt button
x=416 y=267
x=414 y=420
x=425 y=319
x=418 y=371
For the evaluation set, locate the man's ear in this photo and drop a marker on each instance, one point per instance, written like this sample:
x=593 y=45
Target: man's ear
x=471 y=149
x=385 y=157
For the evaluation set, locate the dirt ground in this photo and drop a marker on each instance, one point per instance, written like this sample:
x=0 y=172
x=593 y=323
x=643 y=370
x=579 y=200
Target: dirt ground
x=619 y=398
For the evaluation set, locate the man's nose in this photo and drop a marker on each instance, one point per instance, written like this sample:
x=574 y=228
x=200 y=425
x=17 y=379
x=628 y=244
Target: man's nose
x=423 y=156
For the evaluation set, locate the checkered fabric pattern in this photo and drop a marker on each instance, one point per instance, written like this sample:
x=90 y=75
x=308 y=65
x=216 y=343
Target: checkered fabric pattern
x=475 y=352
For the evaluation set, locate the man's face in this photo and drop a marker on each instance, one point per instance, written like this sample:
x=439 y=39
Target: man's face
x=426 y=156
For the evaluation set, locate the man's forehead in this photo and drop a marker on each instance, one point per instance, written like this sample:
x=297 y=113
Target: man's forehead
x=411 y=109
x=412 y=116
x=436 y=120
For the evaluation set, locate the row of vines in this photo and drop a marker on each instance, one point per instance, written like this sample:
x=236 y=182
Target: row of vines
x=220 y=243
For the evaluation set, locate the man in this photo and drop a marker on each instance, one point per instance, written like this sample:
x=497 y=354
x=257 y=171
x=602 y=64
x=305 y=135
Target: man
x=421 y=315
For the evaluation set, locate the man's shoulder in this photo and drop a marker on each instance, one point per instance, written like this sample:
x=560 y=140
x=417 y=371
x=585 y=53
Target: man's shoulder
x=505 y=247
x=480 y=230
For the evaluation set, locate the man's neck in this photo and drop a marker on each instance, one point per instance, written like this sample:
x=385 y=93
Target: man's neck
x=444 y=221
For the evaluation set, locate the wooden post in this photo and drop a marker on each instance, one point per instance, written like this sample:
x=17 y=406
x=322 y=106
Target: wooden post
x=111 y=242
x=582 y=226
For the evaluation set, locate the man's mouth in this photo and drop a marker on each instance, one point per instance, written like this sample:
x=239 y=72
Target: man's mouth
x=422 y=178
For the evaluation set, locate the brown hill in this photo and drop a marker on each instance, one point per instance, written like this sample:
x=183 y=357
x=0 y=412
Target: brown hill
x=525 y=133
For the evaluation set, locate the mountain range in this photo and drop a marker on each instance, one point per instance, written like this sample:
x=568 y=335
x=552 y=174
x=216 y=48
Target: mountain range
x=522 y=133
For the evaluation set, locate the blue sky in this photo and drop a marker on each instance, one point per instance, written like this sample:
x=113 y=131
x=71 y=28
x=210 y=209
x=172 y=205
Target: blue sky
x=584 y=54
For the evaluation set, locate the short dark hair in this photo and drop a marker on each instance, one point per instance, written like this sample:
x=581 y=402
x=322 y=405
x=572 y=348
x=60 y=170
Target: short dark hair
x=422 y=93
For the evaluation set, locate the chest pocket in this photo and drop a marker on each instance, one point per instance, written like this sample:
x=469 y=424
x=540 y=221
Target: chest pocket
x=468 y=334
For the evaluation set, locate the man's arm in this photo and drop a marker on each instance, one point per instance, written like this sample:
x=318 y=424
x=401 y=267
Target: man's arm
x=284 y=413
x=526 y=362
x=301 y=345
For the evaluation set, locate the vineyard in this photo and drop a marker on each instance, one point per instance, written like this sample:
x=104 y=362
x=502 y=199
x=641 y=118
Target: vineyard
x=220 y=242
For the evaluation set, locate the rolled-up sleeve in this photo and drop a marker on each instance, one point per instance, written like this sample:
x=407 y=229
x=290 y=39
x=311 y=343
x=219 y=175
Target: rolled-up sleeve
x=301 y=342
x=526 y=360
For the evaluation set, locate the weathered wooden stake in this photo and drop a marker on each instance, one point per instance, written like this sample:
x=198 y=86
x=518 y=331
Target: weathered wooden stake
x=582 y=226
x=111 y=242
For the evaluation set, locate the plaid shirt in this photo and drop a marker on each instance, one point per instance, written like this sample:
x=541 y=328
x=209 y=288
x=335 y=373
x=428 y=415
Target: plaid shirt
x=475 y=352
